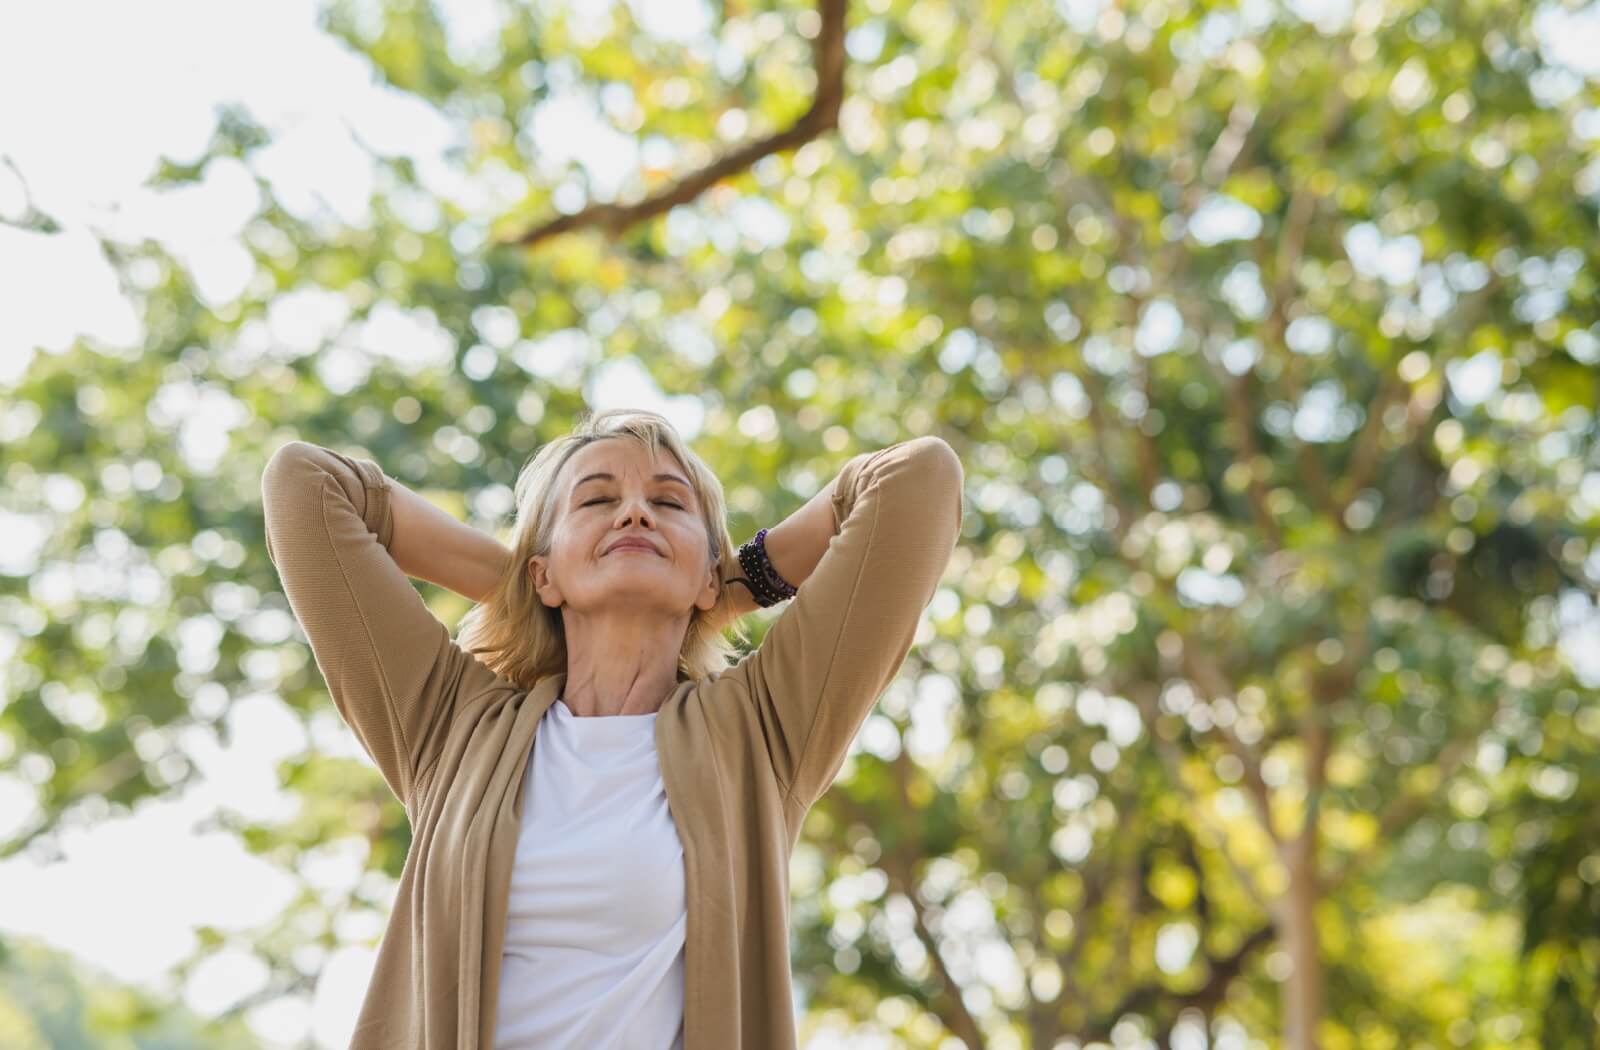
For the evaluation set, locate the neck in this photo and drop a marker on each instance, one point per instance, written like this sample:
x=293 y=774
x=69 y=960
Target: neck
x=620 y=665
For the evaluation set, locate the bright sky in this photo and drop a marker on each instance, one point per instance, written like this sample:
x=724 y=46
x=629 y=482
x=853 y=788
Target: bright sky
x=99 y=108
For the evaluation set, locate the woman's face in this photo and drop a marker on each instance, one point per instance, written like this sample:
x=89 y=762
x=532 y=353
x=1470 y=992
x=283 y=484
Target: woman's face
x=613 y=490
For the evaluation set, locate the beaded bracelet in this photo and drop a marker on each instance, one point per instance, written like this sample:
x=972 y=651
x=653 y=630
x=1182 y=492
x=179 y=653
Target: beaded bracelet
x=760 y=577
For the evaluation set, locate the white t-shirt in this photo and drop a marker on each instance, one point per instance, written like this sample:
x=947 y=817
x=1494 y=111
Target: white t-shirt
x=597 y=914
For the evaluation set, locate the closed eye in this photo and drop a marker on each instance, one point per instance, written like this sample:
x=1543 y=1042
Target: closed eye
x=607 y=499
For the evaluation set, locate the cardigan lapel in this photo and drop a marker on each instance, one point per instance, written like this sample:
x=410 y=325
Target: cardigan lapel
x=502 y=854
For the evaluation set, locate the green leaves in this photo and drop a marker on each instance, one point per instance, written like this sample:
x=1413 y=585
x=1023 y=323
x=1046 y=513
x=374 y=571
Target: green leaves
x=1261 y=552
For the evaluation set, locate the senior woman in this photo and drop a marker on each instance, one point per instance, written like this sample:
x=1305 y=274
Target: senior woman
x=603 y=794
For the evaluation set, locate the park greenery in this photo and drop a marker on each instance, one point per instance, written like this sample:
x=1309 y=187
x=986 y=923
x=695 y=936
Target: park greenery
x=1268 y=336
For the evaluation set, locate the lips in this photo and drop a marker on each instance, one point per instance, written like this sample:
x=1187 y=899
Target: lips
x=638 y=544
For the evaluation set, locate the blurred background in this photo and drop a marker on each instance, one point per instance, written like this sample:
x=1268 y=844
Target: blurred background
x=1258 y=706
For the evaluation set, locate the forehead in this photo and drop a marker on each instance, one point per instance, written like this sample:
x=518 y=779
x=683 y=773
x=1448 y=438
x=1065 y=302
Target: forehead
x=619 y=456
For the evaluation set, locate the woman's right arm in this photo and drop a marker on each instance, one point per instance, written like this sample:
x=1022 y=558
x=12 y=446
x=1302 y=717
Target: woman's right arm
x=429 y=544
x=392 y=668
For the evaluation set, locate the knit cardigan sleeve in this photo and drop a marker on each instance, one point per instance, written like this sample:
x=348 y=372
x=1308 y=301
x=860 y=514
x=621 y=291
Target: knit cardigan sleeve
x=393 y=671
x=843 y=637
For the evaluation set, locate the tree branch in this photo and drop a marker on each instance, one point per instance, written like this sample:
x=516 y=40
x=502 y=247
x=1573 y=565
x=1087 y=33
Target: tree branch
x=1095 y=883
x=1105 y=472
x=899 y=865
x=1291 y=249
x=1240 y=420
x=829 y=59
x=1213 y=685
x=900 y=868
x=1207 y=997
x=1291 y=246
x=954 y=1012
x=1368 y=447
x=1172 y=759
x=1317 y=733
x=1369 y=443
x=1400 y=814
x=1229 y=145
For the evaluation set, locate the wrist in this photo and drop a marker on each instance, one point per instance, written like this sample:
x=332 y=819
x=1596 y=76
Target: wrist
x=740 y=598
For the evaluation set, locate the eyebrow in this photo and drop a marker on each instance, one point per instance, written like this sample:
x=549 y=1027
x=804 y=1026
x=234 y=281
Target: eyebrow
x=613 y=477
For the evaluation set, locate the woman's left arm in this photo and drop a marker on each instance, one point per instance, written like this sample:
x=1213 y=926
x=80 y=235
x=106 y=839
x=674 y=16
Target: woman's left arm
x=894 y=516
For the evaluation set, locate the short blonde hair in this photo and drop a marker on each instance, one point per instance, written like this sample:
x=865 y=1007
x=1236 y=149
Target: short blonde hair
x=519 y=637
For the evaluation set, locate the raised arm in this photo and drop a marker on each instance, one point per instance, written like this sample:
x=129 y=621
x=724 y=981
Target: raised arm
x=393 y=671
x=841 y=640
x=429 y=544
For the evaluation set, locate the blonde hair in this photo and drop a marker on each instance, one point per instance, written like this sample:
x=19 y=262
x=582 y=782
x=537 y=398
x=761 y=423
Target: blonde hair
x=516 y=635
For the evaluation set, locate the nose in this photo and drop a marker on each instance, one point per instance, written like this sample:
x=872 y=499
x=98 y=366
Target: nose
x=635 y=509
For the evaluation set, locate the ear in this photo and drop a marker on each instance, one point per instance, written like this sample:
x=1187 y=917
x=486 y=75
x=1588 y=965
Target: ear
x=543 y=586
x=706 y=600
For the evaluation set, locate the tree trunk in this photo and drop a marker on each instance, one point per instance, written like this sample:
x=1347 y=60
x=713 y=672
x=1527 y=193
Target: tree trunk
x=1303 y=991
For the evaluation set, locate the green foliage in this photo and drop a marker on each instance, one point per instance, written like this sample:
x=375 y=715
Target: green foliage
x=1270 y=351
x=48 y=1003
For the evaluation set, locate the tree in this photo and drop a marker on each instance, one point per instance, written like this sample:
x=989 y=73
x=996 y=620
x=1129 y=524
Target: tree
x=46 y=1001
x=1268 y=345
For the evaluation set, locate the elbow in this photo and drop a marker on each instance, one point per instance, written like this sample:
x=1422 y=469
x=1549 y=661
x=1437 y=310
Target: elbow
x=920 y=480
x=934 y=467
x=297 y=461
x=290 y=456
x=940 y=458
x=298 y=471
x=291 y=470
x=943 y=466
x=278 y=487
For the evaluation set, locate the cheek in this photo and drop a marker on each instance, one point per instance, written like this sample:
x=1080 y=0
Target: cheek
x=574 y=540
x=567 y=555
x=691 y=540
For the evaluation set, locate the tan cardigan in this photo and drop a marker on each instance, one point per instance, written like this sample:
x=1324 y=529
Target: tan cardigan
x=744 y=753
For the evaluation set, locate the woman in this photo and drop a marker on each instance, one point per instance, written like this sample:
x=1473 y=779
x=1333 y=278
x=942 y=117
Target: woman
x=603 y=802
